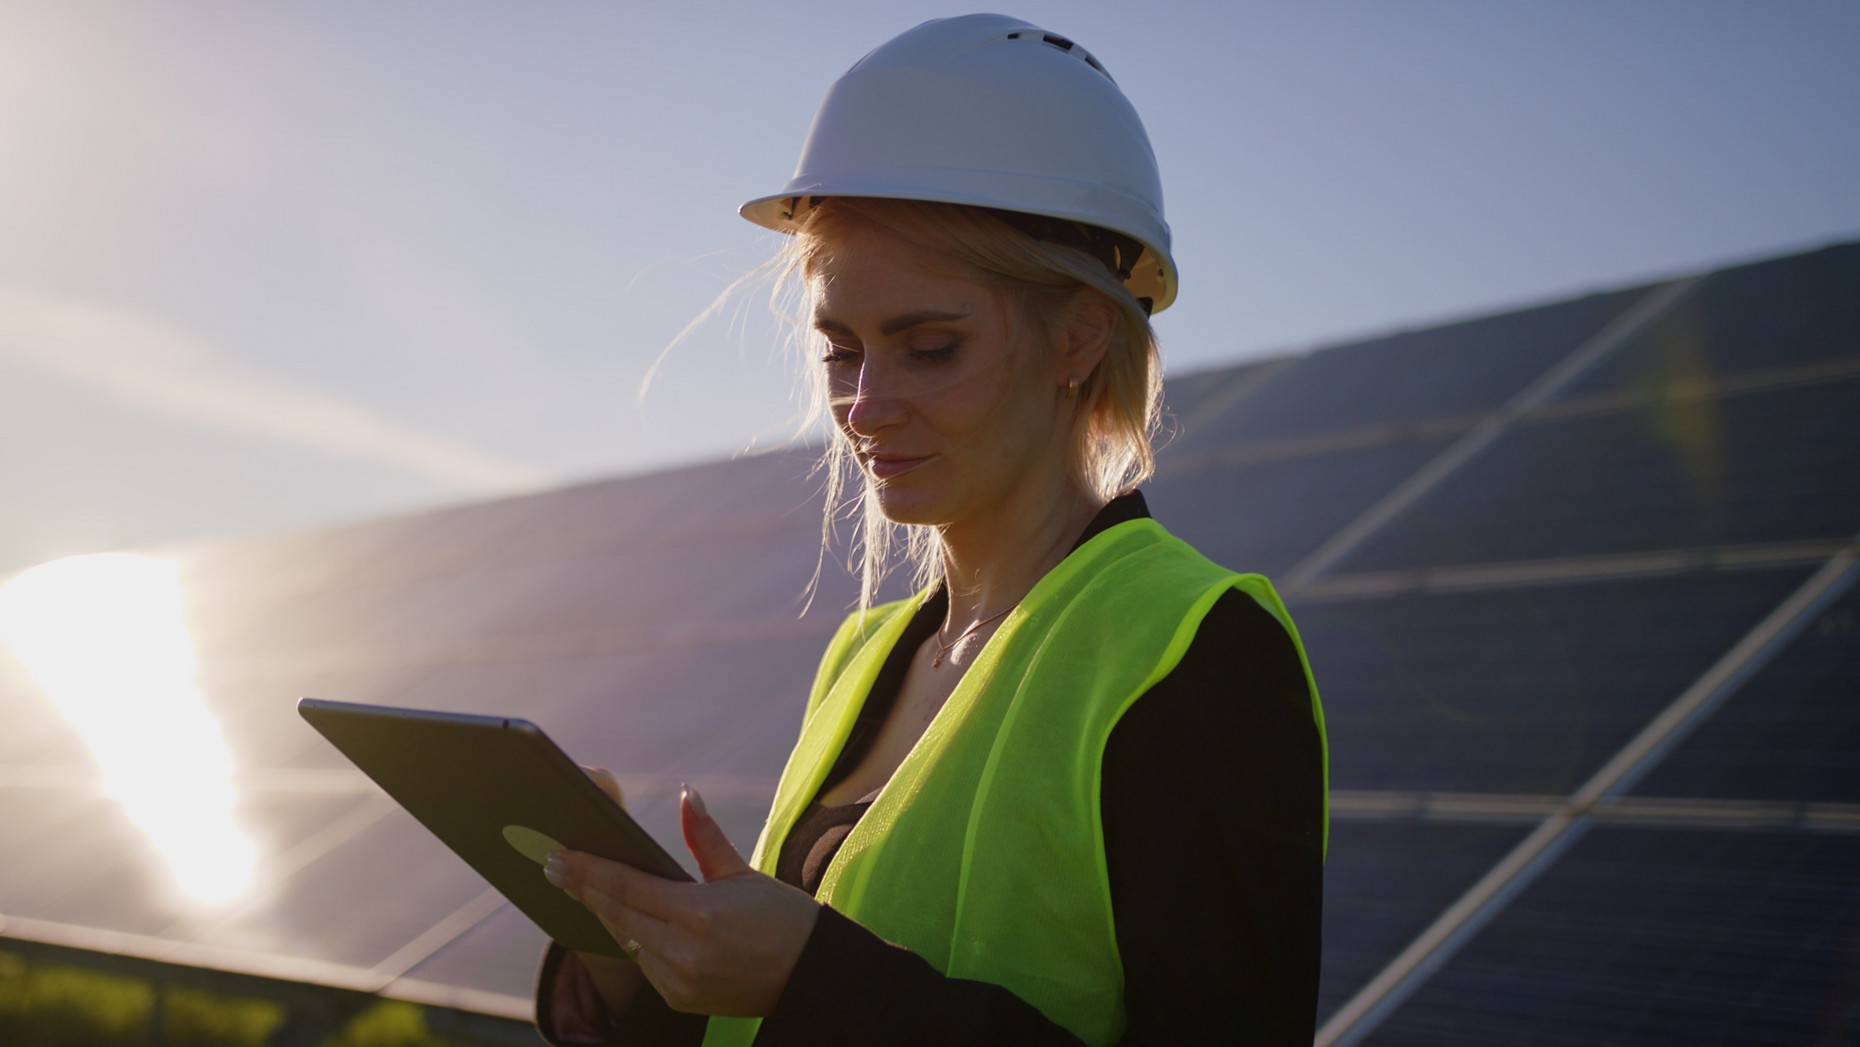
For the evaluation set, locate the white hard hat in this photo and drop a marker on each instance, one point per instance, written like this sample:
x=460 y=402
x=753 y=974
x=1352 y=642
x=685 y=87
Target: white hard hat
x=995 y=112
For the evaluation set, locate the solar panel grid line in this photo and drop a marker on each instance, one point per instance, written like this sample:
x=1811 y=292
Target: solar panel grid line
x=1471 y=808
x=1652 y=812
x=317 y=781
x=1358 y=585
x=1723 y=679
x=333 y=781
x=1558 y=378
x=1672 y=938
x=460 y=998
x=1312 y=445
x=1411 y=969
x=480 y=650
x=1253 y=452
x=1242 y=384
x=454 y=560
x=1704 y=387
x=438 y=936
x=272 y=873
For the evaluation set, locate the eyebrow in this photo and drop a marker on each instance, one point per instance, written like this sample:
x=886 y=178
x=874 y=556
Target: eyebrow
x=892 y=326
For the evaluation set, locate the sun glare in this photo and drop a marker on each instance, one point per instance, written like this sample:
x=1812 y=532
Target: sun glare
x=104 y=638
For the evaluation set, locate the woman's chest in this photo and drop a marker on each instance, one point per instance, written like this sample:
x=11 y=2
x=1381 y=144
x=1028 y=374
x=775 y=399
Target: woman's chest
x=921 y=696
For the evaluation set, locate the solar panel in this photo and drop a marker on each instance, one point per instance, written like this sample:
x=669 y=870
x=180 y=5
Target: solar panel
x=72 y=831
x=1754 y=468
x=1480 y=656
x=1465 y=368
x=357 y=905
x=663 y=638
x=1792 y=734
x=1649 y=937
x=499 y=955
x=1384 y=882
x=1789 y=312
x=1520 y=690
x=1264 y=517
x=1207 y=394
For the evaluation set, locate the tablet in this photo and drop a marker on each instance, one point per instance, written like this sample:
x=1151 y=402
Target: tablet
x=503 y=796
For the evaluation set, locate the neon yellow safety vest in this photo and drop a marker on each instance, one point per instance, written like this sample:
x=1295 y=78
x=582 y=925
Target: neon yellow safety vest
x=984 y=854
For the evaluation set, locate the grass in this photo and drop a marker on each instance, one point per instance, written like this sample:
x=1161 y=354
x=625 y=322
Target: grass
x=57 y=1005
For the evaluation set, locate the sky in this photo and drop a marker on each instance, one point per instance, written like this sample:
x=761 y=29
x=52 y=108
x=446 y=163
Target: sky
x=271 y=266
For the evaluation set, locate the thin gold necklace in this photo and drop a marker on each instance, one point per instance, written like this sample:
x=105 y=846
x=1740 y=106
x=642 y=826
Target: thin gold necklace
x=944 y=648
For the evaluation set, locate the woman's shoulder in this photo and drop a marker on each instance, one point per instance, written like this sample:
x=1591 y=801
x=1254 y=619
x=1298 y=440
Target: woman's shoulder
x=1241 y=638
x=1238 y=703
x=1240 y=682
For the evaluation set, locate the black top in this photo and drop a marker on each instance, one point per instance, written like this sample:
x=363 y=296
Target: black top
x=1212 y=803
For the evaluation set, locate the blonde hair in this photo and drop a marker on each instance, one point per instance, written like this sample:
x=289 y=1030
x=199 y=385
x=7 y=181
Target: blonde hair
x=1119 y=402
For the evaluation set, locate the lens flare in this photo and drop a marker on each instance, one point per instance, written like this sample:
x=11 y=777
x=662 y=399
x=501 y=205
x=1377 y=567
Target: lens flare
x=103 y=637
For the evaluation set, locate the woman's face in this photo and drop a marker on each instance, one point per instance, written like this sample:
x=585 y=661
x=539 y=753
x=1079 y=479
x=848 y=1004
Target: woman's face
x=950 y=400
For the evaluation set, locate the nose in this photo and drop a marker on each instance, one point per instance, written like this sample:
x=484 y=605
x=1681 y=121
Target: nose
x=872 y=410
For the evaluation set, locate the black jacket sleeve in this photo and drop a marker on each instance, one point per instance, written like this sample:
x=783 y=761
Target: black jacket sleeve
x=1213 y=815
x=570 y=1013
x=1213 y=808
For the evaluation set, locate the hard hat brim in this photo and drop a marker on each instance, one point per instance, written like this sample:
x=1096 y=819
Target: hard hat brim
x=1153 y=276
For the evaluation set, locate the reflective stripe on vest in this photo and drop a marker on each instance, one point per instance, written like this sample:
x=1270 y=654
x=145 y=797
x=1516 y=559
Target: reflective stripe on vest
x=984 y=853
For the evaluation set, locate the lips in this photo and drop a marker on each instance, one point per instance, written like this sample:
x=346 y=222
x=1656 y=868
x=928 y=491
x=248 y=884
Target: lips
x=888 y=466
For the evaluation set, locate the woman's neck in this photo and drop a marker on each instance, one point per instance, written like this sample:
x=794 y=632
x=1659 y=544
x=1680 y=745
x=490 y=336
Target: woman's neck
x=990 y=563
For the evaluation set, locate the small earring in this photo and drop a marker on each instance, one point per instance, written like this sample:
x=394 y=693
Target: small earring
x=1072 y=388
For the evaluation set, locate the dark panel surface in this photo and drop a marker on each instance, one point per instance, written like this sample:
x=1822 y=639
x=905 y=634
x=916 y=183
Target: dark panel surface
x=1521 y=690
x=1384 y=882
x=1199 y=396
x=499 y=955
x=1770 y=466
x=1660 y=937
x=1779 y=313
x=1463 y=368
x=1792 y=734
x=1265 y=517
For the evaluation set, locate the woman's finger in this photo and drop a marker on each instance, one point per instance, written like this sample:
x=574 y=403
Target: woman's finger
x=717 y=857
x=575 y=872
x=582 y=881
x=627 y=925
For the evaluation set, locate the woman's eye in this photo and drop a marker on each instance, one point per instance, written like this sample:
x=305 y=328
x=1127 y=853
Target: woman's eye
x=934 y=352
x=839 y=354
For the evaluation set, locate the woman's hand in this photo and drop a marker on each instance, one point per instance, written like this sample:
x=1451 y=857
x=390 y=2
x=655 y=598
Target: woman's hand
x=725 y=946
x=613 y=979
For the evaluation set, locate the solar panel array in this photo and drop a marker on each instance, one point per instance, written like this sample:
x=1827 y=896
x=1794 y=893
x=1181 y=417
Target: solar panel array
x=1576 y=581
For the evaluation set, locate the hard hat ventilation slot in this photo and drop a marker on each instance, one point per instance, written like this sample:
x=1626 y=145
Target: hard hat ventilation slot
x=1060 y=42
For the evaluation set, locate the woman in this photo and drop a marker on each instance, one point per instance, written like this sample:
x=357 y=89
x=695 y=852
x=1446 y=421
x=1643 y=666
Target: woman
x=1073 y=791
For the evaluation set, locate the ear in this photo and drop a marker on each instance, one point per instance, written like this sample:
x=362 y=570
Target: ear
x=1090 y=320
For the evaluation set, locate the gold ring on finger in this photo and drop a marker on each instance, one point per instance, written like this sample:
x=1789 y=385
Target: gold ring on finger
x=630 y=947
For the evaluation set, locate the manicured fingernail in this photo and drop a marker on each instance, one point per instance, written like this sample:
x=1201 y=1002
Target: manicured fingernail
x=696 y=802
x=555 y=870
